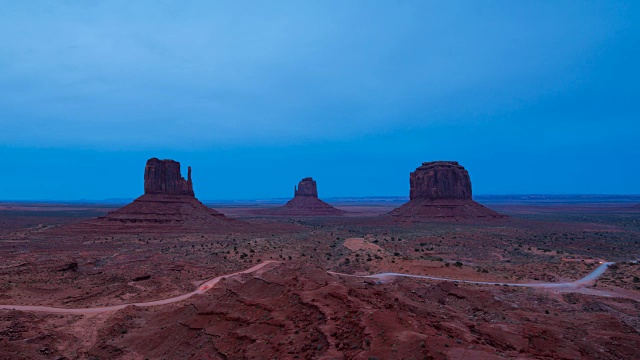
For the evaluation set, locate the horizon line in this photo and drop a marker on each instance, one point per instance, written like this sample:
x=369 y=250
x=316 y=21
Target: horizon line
x=129 y=199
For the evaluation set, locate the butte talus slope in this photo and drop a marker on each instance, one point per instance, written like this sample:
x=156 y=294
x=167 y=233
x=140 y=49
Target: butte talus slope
x=305 y=202
x=442 y=190
x=168 y=204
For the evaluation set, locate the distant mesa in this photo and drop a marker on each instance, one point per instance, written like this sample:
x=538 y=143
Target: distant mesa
x=305 y=202
x=168 y=204
x=440 y=180
x=442 y=190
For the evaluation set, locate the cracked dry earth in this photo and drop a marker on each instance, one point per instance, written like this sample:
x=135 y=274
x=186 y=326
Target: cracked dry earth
x=299 y=311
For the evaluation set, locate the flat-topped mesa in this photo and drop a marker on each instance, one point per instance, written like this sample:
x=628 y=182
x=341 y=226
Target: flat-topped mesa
x=442 y=190
x=306 y=187
x=440 y=180
x=164 y=177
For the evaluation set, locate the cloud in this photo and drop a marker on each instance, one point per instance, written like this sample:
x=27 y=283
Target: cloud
x=162 y=73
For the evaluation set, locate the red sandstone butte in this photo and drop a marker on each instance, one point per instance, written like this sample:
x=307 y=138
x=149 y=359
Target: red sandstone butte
x=306 y=187
x=442 y=190
x=440 y=180
x=164 y=177
x=168 y=204
x=305 y=202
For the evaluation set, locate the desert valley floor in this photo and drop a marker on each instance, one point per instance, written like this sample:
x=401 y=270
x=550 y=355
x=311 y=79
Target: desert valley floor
x=297 y=301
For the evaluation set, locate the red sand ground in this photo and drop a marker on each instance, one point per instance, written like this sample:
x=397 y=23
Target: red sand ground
x=298 y=310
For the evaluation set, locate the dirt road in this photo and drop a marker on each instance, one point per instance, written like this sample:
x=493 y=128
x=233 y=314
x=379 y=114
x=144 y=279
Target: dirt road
x=200 y=290
x=574 y=286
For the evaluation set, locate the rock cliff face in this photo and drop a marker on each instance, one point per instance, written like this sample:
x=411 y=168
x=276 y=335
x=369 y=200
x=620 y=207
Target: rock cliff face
x=441 y=190
x=440 y=180
x=164 y=177
x=306 y=187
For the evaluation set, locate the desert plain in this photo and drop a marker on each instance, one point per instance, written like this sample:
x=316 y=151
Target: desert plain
x=296 y=307
x=440 y=276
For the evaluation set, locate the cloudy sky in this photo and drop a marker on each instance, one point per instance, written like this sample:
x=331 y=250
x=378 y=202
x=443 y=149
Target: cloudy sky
x=530 y=96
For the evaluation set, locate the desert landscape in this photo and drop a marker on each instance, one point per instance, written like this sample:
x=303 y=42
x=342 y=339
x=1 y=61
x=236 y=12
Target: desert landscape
x=330 y=180
x=440 y=277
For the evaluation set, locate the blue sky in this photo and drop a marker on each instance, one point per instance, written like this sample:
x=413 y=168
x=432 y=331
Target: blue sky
x=530 y=96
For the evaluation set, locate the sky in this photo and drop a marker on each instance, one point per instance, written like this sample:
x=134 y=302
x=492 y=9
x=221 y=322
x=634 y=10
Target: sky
x=532 y=97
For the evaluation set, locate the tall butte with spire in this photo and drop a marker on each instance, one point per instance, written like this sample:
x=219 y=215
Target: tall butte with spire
x=164 y=177
x=168 y=204
x=442 y=190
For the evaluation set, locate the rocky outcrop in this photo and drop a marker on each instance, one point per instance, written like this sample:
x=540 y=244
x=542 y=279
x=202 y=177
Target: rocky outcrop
x=72 y=266
x=305 y=202
x=164 y=177
x=168 y=205
x=440 y=180
x=306 y=187
x=441 y=190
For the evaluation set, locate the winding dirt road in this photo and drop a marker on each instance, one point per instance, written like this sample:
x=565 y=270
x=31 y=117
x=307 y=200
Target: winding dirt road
x=574 y=286
x=204 y=287
x=566 y=286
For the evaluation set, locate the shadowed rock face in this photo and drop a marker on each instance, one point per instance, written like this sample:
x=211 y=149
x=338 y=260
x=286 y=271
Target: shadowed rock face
x=442 y=190
x=164 y=177
x=306 y=187
x=440 y=180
